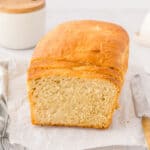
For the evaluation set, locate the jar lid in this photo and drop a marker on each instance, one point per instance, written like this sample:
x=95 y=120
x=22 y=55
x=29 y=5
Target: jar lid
x=21 y=6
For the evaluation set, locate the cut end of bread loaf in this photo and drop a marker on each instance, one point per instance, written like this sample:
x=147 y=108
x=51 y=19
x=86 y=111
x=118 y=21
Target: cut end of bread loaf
x=72 y=101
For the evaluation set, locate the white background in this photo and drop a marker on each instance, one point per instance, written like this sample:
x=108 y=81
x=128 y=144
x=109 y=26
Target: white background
x=97 y=4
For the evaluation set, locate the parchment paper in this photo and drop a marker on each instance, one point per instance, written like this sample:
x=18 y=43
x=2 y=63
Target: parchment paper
x=126 y=128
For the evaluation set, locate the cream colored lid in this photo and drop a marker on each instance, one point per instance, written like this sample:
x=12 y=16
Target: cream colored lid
x=21 y=6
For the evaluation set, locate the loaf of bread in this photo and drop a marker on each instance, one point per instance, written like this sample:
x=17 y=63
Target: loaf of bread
x=76 y=74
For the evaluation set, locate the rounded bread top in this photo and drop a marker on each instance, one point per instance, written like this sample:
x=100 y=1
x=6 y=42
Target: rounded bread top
x=86 y=41
x=21 y=6
x=83 y=48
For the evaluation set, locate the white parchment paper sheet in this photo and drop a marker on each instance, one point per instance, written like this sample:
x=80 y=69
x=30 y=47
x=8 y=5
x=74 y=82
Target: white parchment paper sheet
x=126 y=128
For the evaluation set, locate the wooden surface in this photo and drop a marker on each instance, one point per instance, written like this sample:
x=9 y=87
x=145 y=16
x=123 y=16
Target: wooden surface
x=21 y=6
x=146 y=126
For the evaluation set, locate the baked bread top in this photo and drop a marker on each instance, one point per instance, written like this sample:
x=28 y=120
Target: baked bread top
x=78 y=48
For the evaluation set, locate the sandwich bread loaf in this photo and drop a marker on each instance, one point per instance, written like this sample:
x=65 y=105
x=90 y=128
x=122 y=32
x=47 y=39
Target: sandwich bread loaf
x=76 y=74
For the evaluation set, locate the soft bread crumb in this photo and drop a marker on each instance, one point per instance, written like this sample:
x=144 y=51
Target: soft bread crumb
x=72 y=101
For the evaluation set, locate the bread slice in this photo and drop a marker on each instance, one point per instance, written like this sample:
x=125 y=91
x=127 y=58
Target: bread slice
x=76 y=74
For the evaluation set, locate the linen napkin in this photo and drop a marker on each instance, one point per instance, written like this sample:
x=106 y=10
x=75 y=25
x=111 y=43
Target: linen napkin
x=4 y=117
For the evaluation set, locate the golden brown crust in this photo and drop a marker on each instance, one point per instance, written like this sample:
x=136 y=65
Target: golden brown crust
x=96 y=47
x=75 y=125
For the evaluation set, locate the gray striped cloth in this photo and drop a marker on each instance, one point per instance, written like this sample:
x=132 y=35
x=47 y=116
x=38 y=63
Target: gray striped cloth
x=4 y=117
